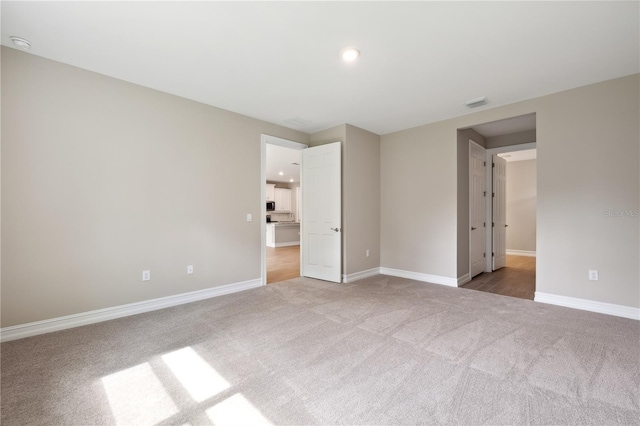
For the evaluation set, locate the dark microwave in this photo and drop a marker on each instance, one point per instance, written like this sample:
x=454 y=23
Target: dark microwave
x=271 y=206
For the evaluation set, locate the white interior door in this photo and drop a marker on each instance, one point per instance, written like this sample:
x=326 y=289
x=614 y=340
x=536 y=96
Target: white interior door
x=321 y=237
x=476 y=208
x=499 y=212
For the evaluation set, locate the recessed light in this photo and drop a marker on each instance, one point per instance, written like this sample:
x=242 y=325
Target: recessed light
x=349 y=54
x=281 y=173
x=20 y=43
x=291 y=180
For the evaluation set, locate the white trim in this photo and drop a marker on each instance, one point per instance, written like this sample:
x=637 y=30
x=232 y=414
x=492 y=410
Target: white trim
x=360 y=275
x=435 y=279
x=589 y=305
x=290 y=243
x=84 y=318
x=464 y=279
x=521 y=253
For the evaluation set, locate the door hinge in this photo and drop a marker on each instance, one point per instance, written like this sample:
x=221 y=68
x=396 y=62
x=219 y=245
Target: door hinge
x=485 y=194
x=493 y=195
x=493 y=254
x=493 y=224
x=485 y=164
x=484 y=224
x=484 y=254
x=493 y=164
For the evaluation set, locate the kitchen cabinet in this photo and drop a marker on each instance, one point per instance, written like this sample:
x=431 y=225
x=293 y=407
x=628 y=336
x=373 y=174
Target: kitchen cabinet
x=271 y=193
x=283 y=199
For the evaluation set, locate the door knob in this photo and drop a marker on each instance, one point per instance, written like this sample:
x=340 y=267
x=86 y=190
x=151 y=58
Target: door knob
x=473 y=229
x=506 y=226
x=335 y=229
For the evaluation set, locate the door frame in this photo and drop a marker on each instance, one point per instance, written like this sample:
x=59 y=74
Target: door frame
x=488 y=267
x=273 y=140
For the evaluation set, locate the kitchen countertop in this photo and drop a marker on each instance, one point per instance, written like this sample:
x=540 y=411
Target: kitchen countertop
x=283 y=223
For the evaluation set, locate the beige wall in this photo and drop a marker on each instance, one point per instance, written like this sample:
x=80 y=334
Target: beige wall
x=594 y=129
x=334 y=134
x=361 y=200
x=418 y=176
x=521 y=205
x=360 y=194
x=102 y=179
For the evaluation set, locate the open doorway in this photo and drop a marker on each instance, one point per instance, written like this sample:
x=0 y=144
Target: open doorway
x=502 y=207
x=282 y=200
x=515 y=275
x=318 y=209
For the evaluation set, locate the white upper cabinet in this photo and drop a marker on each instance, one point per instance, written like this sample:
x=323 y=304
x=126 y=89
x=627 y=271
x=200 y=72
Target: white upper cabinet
x=271 y=194
x=283 y=199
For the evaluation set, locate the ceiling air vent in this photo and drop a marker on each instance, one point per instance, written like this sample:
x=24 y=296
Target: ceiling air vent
x=474 y=103
x=297 y=122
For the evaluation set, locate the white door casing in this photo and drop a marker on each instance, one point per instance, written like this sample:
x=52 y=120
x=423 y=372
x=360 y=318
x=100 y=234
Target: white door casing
x=499 y=230
x=321 y=233
x=477 y=221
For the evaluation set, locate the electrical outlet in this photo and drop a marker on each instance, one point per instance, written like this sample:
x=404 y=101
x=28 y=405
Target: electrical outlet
x=146 y=275
x=593 y=275
x=190 y=269
x=367 y=252
x=249 y=217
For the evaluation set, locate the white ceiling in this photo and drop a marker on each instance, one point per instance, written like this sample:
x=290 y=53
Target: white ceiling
x=280 y=159
x=527 y=154
x=280 y=62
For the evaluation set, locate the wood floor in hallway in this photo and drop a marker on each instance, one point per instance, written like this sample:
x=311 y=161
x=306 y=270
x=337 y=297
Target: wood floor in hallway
x=283 y=263
x=517 y=279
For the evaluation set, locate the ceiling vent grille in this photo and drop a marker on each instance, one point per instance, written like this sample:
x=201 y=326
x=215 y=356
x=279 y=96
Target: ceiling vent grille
x=297 y=122
x=474 y=103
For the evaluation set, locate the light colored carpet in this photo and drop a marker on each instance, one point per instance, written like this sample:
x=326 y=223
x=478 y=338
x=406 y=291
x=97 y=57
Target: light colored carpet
x=382 y=350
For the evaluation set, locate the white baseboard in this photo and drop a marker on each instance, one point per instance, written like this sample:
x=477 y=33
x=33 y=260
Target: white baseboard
x=464 y=279
x=589 y=305
x=435 y=279
x=360 y=275
x=293 y=243
x=76 y=320
x=289 y=244
x=521 y=253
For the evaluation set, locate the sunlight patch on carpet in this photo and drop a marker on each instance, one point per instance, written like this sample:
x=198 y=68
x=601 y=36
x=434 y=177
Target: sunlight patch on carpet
x=136 y=396
x=236 y=410
x=199 y=379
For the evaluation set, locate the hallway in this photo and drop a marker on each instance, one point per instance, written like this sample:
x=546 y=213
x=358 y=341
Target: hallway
x=517 y=279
